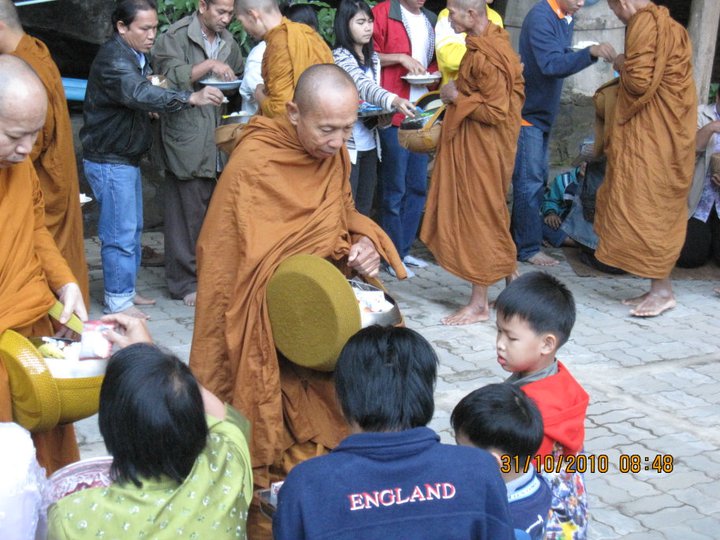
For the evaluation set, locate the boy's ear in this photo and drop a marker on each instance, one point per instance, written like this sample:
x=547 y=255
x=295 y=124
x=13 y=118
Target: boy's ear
x=549 y=343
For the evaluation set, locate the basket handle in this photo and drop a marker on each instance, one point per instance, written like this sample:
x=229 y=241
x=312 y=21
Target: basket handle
x=434 y=118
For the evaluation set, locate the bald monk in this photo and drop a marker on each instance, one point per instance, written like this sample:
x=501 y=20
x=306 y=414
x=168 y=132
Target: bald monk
x=284 y=191
x=292 y=47
x=53 y=154
x=642 y=205
x=467 y=223
x=32 y=270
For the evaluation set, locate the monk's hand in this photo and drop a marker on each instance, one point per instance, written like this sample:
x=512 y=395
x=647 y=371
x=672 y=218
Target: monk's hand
x=259 y=93
x=404 y=106
x=449 y=92
x=413 y=66
x=603 y=50
x=619 y=62
x=553 y=221
x=130 y=330
x=72 y=300
x=364 y=258
x=715 y=179
x=206 y=96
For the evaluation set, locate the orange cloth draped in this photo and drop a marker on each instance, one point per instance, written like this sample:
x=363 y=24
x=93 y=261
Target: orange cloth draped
x=54 y=159
x=467 y=224
x=291 y=49
x=29 y=266
x=273 y=200
x=642 y=205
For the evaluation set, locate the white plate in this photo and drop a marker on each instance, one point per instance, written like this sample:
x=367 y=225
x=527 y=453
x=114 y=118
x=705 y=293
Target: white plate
x=422 y=80
x=223 y=85
x=584 y=45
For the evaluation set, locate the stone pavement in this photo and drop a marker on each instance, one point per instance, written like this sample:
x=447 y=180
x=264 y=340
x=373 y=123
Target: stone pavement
x=653 y=387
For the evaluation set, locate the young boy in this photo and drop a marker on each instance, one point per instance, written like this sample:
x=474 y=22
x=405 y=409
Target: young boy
x=501 y=419
x=535 y=315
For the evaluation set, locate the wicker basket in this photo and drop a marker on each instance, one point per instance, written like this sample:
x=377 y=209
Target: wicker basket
x=423 y=134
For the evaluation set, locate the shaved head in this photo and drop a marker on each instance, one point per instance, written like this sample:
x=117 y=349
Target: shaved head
x=319 y=81
x=23 y=106
x=478 y=5
x=8 y=15
x=267 y=6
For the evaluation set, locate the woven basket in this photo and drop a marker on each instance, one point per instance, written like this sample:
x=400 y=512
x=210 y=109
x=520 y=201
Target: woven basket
x=424 y=138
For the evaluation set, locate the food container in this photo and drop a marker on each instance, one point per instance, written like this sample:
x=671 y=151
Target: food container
x=84 y=474
x=715 y=163
x=422 y=133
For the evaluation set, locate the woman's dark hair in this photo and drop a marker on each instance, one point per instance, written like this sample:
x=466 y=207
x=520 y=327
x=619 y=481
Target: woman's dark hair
x=302 y=13
x=126 y=11
x=385 y=378
x=343 y=37
x=500 y=416
x=542 y=301
x=151 y=415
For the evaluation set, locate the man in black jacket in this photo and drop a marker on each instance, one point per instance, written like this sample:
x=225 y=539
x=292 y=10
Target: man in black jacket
x=120 y=99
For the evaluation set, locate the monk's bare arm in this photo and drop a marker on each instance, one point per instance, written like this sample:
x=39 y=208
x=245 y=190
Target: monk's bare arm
x=636 y=74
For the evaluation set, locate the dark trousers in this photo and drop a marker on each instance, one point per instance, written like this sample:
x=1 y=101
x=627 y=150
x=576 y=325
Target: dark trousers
x=702 y=242
x=363 y=178
x=186 y=202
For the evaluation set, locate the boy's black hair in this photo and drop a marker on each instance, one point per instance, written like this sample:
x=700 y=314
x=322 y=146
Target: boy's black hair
x=500 y=416
x=385 y=378
x=541 y=300
x=151 y=415
x=302 y=13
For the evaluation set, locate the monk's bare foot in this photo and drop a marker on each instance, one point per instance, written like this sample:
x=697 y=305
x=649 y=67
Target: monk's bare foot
x=468 y=315
x=635 y=300
x=190 y=299
x=653 y=305
x=140 y=300
x=541 y=259
x=132 y=311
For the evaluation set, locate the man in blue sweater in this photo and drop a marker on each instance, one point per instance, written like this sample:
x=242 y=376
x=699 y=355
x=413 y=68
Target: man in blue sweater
x=392 y=478
x=545 y=50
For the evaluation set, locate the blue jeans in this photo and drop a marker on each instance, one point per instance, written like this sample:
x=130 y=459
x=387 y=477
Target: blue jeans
x=118 y=189
x=403 y=184
x=529 y=180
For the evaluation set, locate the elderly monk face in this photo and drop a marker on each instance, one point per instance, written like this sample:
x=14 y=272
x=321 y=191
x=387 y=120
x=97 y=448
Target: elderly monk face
x=620 y=9
x=20 y=122
x=571 y=6
x=459 y=17
x=251 y=23
x=326 y=123
x=215 y=15
x=140 y=34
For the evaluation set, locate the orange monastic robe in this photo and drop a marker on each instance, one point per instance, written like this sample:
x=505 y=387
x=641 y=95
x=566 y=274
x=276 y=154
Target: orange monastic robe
x=642 y=205
x=467 y=224
x=273 y=200
x=30 y=266
x=54 y=158
x=291 y=49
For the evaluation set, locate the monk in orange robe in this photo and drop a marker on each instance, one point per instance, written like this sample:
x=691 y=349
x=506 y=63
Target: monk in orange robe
x=31 y=266
x=642 y=205
x=53 y=154
x=284 y=191
x=291 y=48
x=467 y=223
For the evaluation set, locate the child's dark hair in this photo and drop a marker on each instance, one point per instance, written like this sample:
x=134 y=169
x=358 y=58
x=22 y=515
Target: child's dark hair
x=500 y=416
x=541 y=300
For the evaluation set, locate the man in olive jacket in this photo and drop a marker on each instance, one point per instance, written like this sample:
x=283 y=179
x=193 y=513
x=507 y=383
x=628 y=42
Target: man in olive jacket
x=194 y=48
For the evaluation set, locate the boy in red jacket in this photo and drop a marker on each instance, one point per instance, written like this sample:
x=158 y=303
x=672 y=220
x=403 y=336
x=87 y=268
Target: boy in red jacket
x=535 y=315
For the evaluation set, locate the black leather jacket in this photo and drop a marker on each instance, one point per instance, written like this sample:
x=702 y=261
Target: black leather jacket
x=117 y=102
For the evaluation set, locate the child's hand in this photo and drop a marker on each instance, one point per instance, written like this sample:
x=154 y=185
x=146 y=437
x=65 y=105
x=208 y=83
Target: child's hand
x=553 y=221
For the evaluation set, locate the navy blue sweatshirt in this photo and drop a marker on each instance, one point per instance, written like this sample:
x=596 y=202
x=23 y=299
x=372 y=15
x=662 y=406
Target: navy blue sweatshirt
x=395 y=485
x=545 y=51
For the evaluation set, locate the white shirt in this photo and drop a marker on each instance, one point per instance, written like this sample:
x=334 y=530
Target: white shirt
x=419 y=43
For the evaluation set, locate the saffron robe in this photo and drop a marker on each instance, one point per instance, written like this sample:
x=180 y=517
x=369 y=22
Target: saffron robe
x=641 y=215
x=291 y=49
x=53 y=156
x=273 y=200
x=30 y=266
x=467 y=223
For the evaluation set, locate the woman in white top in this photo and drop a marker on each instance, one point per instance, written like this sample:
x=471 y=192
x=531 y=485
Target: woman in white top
x=354 y=53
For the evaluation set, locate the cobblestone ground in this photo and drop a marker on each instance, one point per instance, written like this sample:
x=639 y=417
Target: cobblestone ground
x=653 y=387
